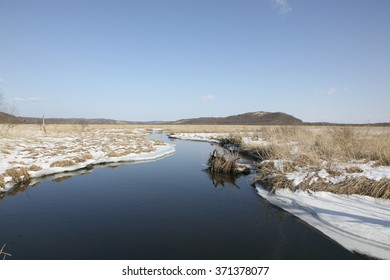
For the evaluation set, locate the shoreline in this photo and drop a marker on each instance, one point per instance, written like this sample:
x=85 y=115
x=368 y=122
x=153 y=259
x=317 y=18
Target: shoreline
x=37 y=155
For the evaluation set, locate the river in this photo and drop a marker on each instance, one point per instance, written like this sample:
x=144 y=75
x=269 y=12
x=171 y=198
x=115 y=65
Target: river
x=165 y=209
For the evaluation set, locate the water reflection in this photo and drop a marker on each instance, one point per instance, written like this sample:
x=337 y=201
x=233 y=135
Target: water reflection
x=55 y=178
x=222 y=179
x=61 y=177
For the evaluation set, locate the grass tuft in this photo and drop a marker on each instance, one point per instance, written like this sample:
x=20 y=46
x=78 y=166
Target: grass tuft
x=34 y=168
x=62 y=163
x=18 y=175
x=224 y=163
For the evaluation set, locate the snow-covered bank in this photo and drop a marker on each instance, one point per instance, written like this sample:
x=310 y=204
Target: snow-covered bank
x=358 y=223
x=202 y=136
x=33 y=155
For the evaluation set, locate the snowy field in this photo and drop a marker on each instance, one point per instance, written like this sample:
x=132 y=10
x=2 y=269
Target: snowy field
x=358 y=223
x=30 y=154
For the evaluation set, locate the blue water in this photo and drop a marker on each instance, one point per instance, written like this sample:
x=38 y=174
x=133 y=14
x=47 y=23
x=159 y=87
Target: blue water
x=166 y=209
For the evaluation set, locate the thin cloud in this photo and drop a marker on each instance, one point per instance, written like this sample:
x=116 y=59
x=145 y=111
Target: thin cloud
x=331 y=91
x=334 y=90
x=27 y=99
x=282 y=6
x=207 y=98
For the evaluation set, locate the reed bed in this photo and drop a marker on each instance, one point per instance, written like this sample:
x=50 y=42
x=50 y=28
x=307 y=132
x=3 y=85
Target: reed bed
x=312 y=149
x=311 y=145
x=309 y=148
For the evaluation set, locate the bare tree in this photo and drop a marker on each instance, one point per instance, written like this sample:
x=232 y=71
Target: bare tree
x=44 y=124
x=7 y=115
x=2 y=104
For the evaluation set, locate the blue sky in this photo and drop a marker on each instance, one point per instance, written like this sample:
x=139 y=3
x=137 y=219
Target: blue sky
x=319 y=60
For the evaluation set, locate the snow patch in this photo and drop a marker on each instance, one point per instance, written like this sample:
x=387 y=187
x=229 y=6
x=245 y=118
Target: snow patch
x=204 y=137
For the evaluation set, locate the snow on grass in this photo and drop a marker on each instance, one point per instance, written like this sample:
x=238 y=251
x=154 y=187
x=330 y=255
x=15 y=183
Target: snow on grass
x=32 y=154
x=358 y=223
x=249 y=141
x=342 y=173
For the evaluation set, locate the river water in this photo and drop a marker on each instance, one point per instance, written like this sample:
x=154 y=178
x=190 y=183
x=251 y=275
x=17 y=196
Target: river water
x=166 y=209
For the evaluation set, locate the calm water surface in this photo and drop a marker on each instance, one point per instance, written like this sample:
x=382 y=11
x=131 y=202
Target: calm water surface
x=167 y=209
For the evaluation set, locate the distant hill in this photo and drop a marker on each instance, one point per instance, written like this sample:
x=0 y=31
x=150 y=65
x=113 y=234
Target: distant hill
x=8 y=118
x=70 y=121
x=254 y=118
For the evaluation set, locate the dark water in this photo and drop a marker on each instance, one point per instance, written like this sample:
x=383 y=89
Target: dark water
x=167 y=209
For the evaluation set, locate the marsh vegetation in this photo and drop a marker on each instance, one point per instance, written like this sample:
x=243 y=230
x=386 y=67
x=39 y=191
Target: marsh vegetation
x=343 y=159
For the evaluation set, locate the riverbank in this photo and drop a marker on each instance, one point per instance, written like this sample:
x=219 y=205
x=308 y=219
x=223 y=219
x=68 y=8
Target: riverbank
x=339 y=160
x=27 y=152
x=335 y=179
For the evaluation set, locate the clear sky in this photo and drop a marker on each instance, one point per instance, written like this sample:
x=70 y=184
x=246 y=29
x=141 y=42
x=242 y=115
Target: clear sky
x=319 y=60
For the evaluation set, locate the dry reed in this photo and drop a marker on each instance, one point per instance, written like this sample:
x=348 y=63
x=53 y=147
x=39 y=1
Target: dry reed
x=307 y=148
x=358 y=185
x=34 y=168
x=19 y=175
x=223 y=163
x=62 y=163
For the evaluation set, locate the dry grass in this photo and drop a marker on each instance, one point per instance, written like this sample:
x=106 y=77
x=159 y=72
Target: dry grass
x=34 y=168
x=353 y=170
x=224 y=163
x=315 y=147
x=62 y=163
x=83 y=158
x=312 y=145
x=274 y=179
x=113 y=154
x=358 y=185
x=18 y=175
x=271 y=177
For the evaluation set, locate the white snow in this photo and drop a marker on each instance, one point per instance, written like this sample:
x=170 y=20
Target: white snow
x=203 y=136
x=249 y=141
x=296 y=178
x=358 y=223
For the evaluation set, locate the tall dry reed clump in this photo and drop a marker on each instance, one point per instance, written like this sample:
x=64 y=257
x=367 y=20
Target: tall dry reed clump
x=297 y=148
x=222 y=163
